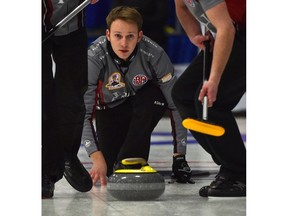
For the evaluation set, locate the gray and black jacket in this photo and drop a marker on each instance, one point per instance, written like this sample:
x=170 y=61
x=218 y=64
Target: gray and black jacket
x=108 y=86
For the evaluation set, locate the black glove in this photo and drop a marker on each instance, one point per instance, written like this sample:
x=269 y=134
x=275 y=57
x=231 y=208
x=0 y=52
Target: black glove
x=181 y=171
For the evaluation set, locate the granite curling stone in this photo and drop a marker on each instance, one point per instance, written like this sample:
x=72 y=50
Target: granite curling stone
x=132 y=184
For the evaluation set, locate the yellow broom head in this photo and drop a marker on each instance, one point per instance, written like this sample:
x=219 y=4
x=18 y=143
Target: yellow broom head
x=203 y=127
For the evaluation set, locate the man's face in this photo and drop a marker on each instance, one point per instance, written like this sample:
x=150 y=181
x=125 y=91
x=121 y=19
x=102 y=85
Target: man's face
x=124 y=37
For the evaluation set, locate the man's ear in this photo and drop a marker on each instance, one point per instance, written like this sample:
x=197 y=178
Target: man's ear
x=108 y=34
x=140 y=35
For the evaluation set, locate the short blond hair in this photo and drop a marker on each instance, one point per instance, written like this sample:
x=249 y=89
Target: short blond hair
x=125 y=13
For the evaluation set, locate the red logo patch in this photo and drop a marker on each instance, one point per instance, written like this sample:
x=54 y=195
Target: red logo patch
x=139 y=80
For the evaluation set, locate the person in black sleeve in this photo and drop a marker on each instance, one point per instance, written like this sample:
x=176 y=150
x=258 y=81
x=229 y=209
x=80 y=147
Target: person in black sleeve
x=225 y=86
x=63 y=108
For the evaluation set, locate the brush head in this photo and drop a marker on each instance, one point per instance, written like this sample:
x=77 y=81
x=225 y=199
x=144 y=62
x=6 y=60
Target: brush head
x=204 y=127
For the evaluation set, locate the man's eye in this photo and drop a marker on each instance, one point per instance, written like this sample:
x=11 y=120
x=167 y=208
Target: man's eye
x=118 y=36
x=130 y=37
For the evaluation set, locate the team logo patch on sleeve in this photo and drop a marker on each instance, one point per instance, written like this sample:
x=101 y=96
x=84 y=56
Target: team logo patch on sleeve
x=166 y=78
x=87 y=143
x=114 y=82
x=190 y=2
x=139 y=80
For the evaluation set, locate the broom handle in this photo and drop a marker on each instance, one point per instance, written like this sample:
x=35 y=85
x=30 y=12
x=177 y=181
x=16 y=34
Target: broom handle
x=66 y=19
x=205 y=108
x=205 y=70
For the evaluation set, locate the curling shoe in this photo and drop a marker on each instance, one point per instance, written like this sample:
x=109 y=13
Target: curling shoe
x=224 y=187
x=47 y=187
x=76 y=174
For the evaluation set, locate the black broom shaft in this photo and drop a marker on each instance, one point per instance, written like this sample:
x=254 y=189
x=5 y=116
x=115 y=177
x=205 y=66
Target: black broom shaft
x=66 y=19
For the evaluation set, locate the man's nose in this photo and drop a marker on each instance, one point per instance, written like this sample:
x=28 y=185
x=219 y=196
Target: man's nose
x=124 y=42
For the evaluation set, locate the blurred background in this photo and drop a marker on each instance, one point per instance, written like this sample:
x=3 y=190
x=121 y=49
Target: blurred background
x=160 y=24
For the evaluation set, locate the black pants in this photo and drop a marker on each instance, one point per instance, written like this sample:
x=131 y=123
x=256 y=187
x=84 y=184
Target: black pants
x=125 y=131
x=228 y=150
x=63 y=106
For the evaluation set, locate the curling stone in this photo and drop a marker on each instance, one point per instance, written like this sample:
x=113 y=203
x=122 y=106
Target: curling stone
x=133 y=184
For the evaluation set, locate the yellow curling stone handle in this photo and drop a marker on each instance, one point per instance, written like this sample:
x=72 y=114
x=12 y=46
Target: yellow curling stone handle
x=133 y=161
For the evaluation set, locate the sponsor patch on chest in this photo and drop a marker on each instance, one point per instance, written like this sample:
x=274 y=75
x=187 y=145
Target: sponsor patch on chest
x=114 y=82
x=139 y=80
